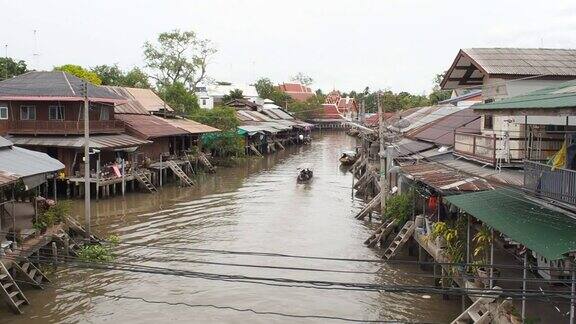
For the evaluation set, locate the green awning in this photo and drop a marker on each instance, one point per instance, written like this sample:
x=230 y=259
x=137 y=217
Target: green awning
x=562 y=95
x=550 y=233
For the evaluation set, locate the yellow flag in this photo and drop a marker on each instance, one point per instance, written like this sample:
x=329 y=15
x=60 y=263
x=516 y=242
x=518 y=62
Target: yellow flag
x=559 y=159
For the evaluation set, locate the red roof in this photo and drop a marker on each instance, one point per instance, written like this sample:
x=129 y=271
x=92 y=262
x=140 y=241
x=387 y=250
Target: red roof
x=330 y=112
x=148 y=126
x=296 y=91
x=347 y=104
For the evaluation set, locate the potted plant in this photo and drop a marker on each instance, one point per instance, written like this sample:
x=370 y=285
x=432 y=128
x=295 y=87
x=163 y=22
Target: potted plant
x=482 y=241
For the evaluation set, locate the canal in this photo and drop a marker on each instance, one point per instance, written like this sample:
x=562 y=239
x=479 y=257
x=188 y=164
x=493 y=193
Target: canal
x=254 y=207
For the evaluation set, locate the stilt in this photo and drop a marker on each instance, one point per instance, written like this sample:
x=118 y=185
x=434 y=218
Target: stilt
x=524 y=275
x=573 y=294
x=54 y=189
x=54 y=253
x=123 y=177
x=491 y=258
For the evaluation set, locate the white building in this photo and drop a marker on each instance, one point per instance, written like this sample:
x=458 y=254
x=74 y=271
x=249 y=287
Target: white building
x=212 y=94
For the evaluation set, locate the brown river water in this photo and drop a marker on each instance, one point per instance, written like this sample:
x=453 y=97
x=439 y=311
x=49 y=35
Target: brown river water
x=254 y=207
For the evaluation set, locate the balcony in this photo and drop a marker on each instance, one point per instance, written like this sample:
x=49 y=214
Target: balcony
x=488 y=149
x=55 y=127
x=558 y=184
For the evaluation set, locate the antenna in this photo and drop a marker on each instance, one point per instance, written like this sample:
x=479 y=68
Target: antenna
x=36 y=55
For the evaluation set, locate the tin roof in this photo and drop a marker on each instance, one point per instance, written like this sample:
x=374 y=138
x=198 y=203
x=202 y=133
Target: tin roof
x=4 y=142
x=131 y=106
x=53 y=85
x=444 y=179
x=441 y=131
x=96 y=141
x=191 y=126
x=148 y=99
x=148 y=126
x=24 y=163
x=430 y=116
x=472 y=64
x=407 y=146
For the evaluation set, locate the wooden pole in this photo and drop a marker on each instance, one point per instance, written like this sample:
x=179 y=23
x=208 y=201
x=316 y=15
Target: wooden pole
x=55 y=189
x=86 y=160
x=573 y=294
x=382 y=158
x=491 y=258
x=160 y=170
x=524 y=275
x=123 y=177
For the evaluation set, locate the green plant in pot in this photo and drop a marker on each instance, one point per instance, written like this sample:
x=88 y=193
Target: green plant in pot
x=482 y=241
x=51 y=216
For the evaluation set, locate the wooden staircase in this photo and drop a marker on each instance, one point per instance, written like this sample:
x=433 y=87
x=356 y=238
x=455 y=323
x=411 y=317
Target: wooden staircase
x=180 y=173
x=10 y=291
x=143 y=179
x=31 y=273
x=379 y=236
x=400 y=239
x=479 y=312
x=204 y=160
x=369 y=207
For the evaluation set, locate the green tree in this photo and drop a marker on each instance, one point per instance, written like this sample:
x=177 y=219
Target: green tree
x=302 y=79
x=178 y=57
x=114 y=76
x=221 y=117
x=306 y=109
x=80 y=72
x=234 y=94
x=438 y=94
x=228 y=143
x=11 y=68
x=136 y=78
x=267 y=90
x=177 y=96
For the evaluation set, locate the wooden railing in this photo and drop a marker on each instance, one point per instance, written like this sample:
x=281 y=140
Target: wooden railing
x=487 y=149
x=60 y=127
x=475 y=146
x=558 y=184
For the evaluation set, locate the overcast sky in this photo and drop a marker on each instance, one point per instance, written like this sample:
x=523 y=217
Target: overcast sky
x=342 y=44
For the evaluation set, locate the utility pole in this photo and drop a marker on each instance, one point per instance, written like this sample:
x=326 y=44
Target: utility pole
x=6 y=62
x=86 y=159
x=383 y=170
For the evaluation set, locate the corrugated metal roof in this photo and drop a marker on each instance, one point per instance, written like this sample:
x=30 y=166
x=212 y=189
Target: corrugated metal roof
x=53 y=85
x=24 y=163
x=148 y=99
x=191 y=126
x=507 y=176
x=96 y=141
x=132 y=106
x=548 y=232
x=524 y=61
x=444 y=179
x=407 y=146
x=430 y=115
x=441 y=131
x=562 y=95
x=148 y=126
x=519 y=62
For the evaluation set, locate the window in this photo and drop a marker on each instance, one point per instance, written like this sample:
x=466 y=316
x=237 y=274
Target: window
x=56 y=113
x=104 y=113
x=3 y=112
x=27 y=112
x=488 y=122
x=204 y=102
